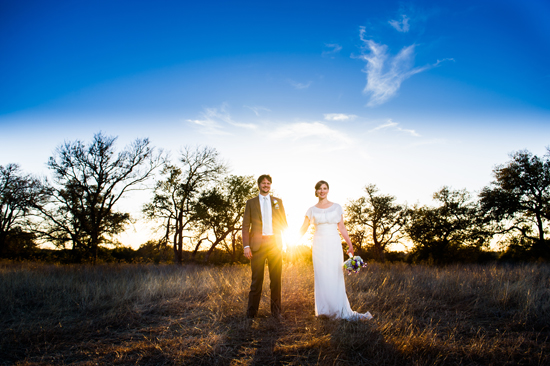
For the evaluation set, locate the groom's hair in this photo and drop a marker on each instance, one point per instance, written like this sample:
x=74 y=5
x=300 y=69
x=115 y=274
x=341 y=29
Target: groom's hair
x=264 y=176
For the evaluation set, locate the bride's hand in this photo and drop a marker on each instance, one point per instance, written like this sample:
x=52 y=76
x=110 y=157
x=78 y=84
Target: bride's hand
x=350 y=252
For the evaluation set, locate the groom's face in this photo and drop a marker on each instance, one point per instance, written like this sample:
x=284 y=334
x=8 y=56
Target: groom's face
x=265 y=187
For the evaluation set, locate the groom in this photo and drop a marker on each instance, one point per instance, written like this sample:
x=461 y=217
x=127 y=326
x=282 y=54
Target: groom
x=264 y=220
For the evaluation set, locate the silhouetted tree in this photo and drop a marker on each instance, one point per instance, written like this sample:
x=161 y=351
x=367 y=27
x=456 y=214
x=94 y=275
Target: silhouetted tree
x=440 y=232
x=176 y=194
x=358 y=234
x=220 y=210
x=375 y=219
x=519 y=199
x=20 y=196
x=89 y=179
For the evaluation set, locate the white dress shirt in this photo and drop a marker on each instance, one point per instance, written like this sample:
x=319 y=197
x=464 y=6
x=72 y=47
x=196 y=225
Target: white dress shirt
x=267 y=222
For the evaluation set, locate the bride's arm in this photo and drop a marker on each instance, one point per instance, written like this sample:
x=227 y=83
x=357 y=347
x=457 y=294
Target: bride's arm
x=304 y=227
x=344 y=232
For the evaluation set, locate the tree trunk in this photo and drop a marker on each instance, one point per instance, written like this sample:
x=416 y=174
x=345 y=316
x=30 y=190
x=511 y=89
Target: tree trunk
x=177 y=257
x=94 y=251
x=94 y=243
x=164 y=243
x=541 y=247
x=3 y=237
x=381 y=253
x=207 y=255
x=180 y=245
x=233 y=246
x=540 y=227
x=214 y=244
x=378 y=249
x=194 y=254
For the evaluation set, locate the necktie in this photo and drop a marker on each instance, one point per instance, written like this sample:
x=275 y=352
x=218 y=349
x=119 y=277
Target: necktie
x=266 y=217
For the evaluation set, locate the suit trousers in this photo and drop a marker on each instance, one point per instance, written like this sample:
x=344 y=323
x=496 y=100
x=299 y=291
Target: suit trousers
x=272 y=252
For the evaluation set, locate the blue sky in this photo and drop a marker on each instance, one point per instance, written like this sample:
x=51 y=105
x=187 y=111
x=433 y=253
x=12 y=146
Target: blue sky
x=410 y=96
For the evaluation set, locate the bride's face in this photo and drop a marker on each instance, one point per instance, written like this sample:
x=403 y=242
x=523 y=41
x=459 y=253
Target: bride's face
x=322 y=192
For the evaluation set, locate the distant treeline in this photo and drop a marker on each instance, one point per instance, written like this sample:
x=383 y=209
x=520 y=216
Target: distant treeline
x=197 y=208
x=151 y=253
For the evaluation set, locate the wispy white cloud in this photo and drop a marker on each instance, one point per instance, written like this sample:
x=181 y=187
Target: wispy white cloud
x=333 y=48
x=410 y=132
x=401 y=25
x=257 y=109
x=222 y=114
x=250 y=126
x=339 y=117
x=298 y=85
x=385 y=73
x=215 y=120
x=334 y=139
x=208 y=127
x=388 y=124
x=394 y=125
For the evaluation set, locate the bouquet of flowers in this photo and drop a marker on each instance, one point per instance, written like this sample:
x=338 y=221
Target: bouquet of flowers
x=354 y=264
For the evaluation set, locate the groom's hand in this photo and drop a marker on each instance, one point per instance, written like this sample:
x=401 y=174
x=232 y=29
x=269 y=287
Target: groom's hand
x=248 y=253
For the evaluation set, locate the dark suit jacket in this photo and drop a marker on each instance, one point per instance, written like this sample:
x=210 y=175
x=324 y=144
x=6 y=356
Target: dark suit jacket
x=252 y=222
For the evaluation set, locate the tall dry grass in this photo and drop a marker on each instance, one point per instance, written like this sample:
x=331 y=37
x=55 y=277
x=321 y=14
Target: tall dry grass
x=169 y=315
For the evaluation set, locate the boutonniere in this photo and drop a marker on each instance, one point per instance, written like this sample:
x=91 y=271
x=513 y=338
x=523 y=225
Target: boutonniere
x=275 y=204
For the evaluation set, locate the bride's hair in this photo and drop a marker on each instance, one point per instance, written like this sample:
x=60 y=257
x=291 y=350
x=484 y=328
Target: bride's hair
x=318 y=185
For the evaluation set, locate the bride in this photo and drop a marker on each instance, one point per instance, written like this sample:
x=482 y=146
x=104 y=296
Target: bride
x=330 y=288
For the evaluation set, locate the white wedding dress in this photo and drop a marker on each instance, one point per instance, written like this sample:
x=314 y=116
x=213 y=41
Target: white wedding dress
x=330 y=289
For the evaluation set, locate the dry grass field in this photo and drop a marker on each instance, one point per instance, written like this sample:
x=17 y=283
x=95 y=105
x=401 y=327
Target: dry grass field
x=194 y=315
